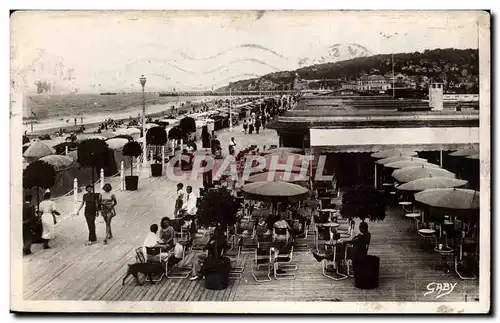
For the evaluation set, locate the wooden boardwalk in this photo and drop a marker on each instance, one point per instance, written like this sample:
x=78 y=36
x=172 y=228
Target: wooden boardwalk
x=72 y=271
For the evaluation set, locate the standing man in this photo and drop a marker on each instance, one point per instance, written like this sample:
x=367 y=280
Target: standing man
x=179 y=201
x=29 y=221
x=190 y=202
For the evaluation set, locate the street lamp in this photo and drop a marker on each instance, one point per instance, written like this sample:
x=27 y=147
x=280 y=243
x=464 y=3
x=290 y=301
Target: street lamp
x=230 y=111
x=142 y=80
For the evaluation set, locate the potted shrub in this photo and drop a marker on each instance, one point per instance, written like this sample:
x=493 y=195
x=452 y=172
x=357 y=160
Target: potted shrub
x=364 y=202
x=188 y=126
x=217 y=208
x=93 y=153
x=156 y=136
x=133 y=150
x=39 y=175
x=175 y=134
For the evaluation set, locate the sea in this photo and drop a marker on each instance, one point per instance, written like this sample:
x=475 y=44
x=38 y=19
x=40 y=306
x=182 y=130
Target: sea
x=42 y=112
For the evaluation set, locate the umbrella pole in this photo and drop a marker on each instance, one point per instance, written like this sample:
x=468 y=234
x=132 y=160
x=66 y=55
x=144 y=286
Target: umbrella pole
x=375 y=177
x=441 y=158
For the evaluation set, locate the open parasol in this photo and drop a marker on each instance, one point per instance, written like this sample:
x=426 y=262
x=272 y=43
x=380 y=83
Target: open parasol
x=116 y=143
x=283 y=150
x=127 y=131
x=465 y=152
x=426 y=183
x=393 y=153
x=58 y=161
x=449 y=198
x=410 y=163
x=277 y=176
x=274 y=191
x=38 y=150
x=475 y=156
x=389 y=160
x=409 y=174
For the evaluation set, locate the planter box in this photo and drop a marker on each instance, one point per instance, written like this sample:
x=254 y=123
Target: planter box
x=131 y=183
x=156 y=170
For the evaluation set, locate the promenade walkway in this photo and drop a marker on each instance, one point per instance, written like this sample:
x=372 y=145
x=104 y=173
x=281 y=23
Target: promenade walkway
x=73 y=271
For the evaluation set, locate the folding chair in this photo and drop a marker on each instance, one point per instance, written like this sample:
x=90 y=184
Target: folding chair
x=177 y=271
x=284 y=259
x=248 y=244
x=155 y=255
x=339 y=256
x=300 y=241
x=234 y=256
x=262 y=258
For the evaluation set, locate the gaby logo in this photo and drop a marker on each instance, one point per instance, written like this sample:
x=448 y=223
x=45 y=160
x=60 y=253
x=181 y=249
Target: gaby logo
x=276 y=167
x=440 y=289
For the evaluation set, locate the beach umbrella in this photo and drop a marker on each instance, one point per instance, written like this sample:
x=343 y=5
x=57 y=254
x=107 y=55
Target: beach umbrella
x=475 y=156
x=38 y=150
x=449 y=198
x=393 y=153
x=409 y=174
x=389 y=160
x=409 y=163
x=116 y=143
x=61 y=148
x=274 y=191
x=283 y=150
x=73 y=155
x=465 y=152
x=423 y=184
x=107 y=134
x=127 y=131
x=276 y=176
x=92 y=137
x=58 y=161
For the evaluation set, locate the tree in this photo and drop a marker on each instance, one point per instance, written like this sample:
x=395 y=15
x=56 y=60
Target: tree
x=132 y=149
x=93 y=153
x=217 y=208
x=363 y=202
x=39 y=174
x=156 y=136
x=187 y=125
x=175 y=133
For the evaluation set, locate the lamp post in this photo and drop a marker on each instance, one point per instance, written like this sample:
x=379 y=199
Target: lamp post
x=230 y=111
x=142 y=79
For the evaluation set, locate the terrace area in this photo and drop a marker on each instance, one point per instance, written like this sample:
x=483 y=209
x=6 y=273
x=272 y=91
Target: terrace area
x=73 y=271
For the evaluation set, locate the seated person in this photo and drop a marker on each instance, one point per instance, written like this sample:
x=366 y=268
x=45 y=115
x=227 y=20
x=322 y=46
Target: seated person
x=167 y=234
x=282 y=231
x=261 y=228
x=153 y=241
x=217 y=244
x=360 y=245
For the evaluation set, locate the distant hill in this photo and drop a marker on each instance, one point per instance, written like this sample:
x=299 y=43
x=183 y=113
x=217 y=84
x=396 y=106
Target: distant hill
x=451 y=66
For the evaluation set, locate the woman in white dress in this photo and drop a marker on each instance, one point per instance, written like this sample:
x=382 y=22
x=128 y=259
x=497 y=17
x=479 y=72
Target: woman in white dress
x=48 y=210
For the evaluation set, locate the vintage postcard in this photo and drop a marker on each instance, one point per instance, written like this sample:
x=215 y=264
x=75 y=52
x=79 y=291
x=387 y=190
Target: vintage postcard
x=250 y=161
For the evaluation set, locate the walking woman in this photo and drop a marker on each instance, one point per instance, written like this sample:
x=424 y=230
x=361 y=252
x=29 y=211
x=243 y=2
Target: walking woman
x=91 y=203
x=49 y=212
x=108 y=203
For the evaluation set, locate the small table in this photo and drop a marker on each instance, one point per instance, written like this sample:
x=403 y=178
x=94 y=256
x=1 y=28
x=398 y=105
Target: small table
x=404 y=205
x=412 y=216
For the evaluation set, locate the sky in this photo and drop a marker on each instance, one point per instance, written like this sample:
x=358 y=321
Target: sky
x=109 y=50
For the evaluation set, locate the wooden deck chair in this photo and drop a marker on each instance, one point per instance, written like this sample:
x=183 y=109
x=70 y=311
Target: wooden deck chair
x=156 y=255
x=139 y=255
x=262 y=258
x=284 y=262
x=339 y=257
